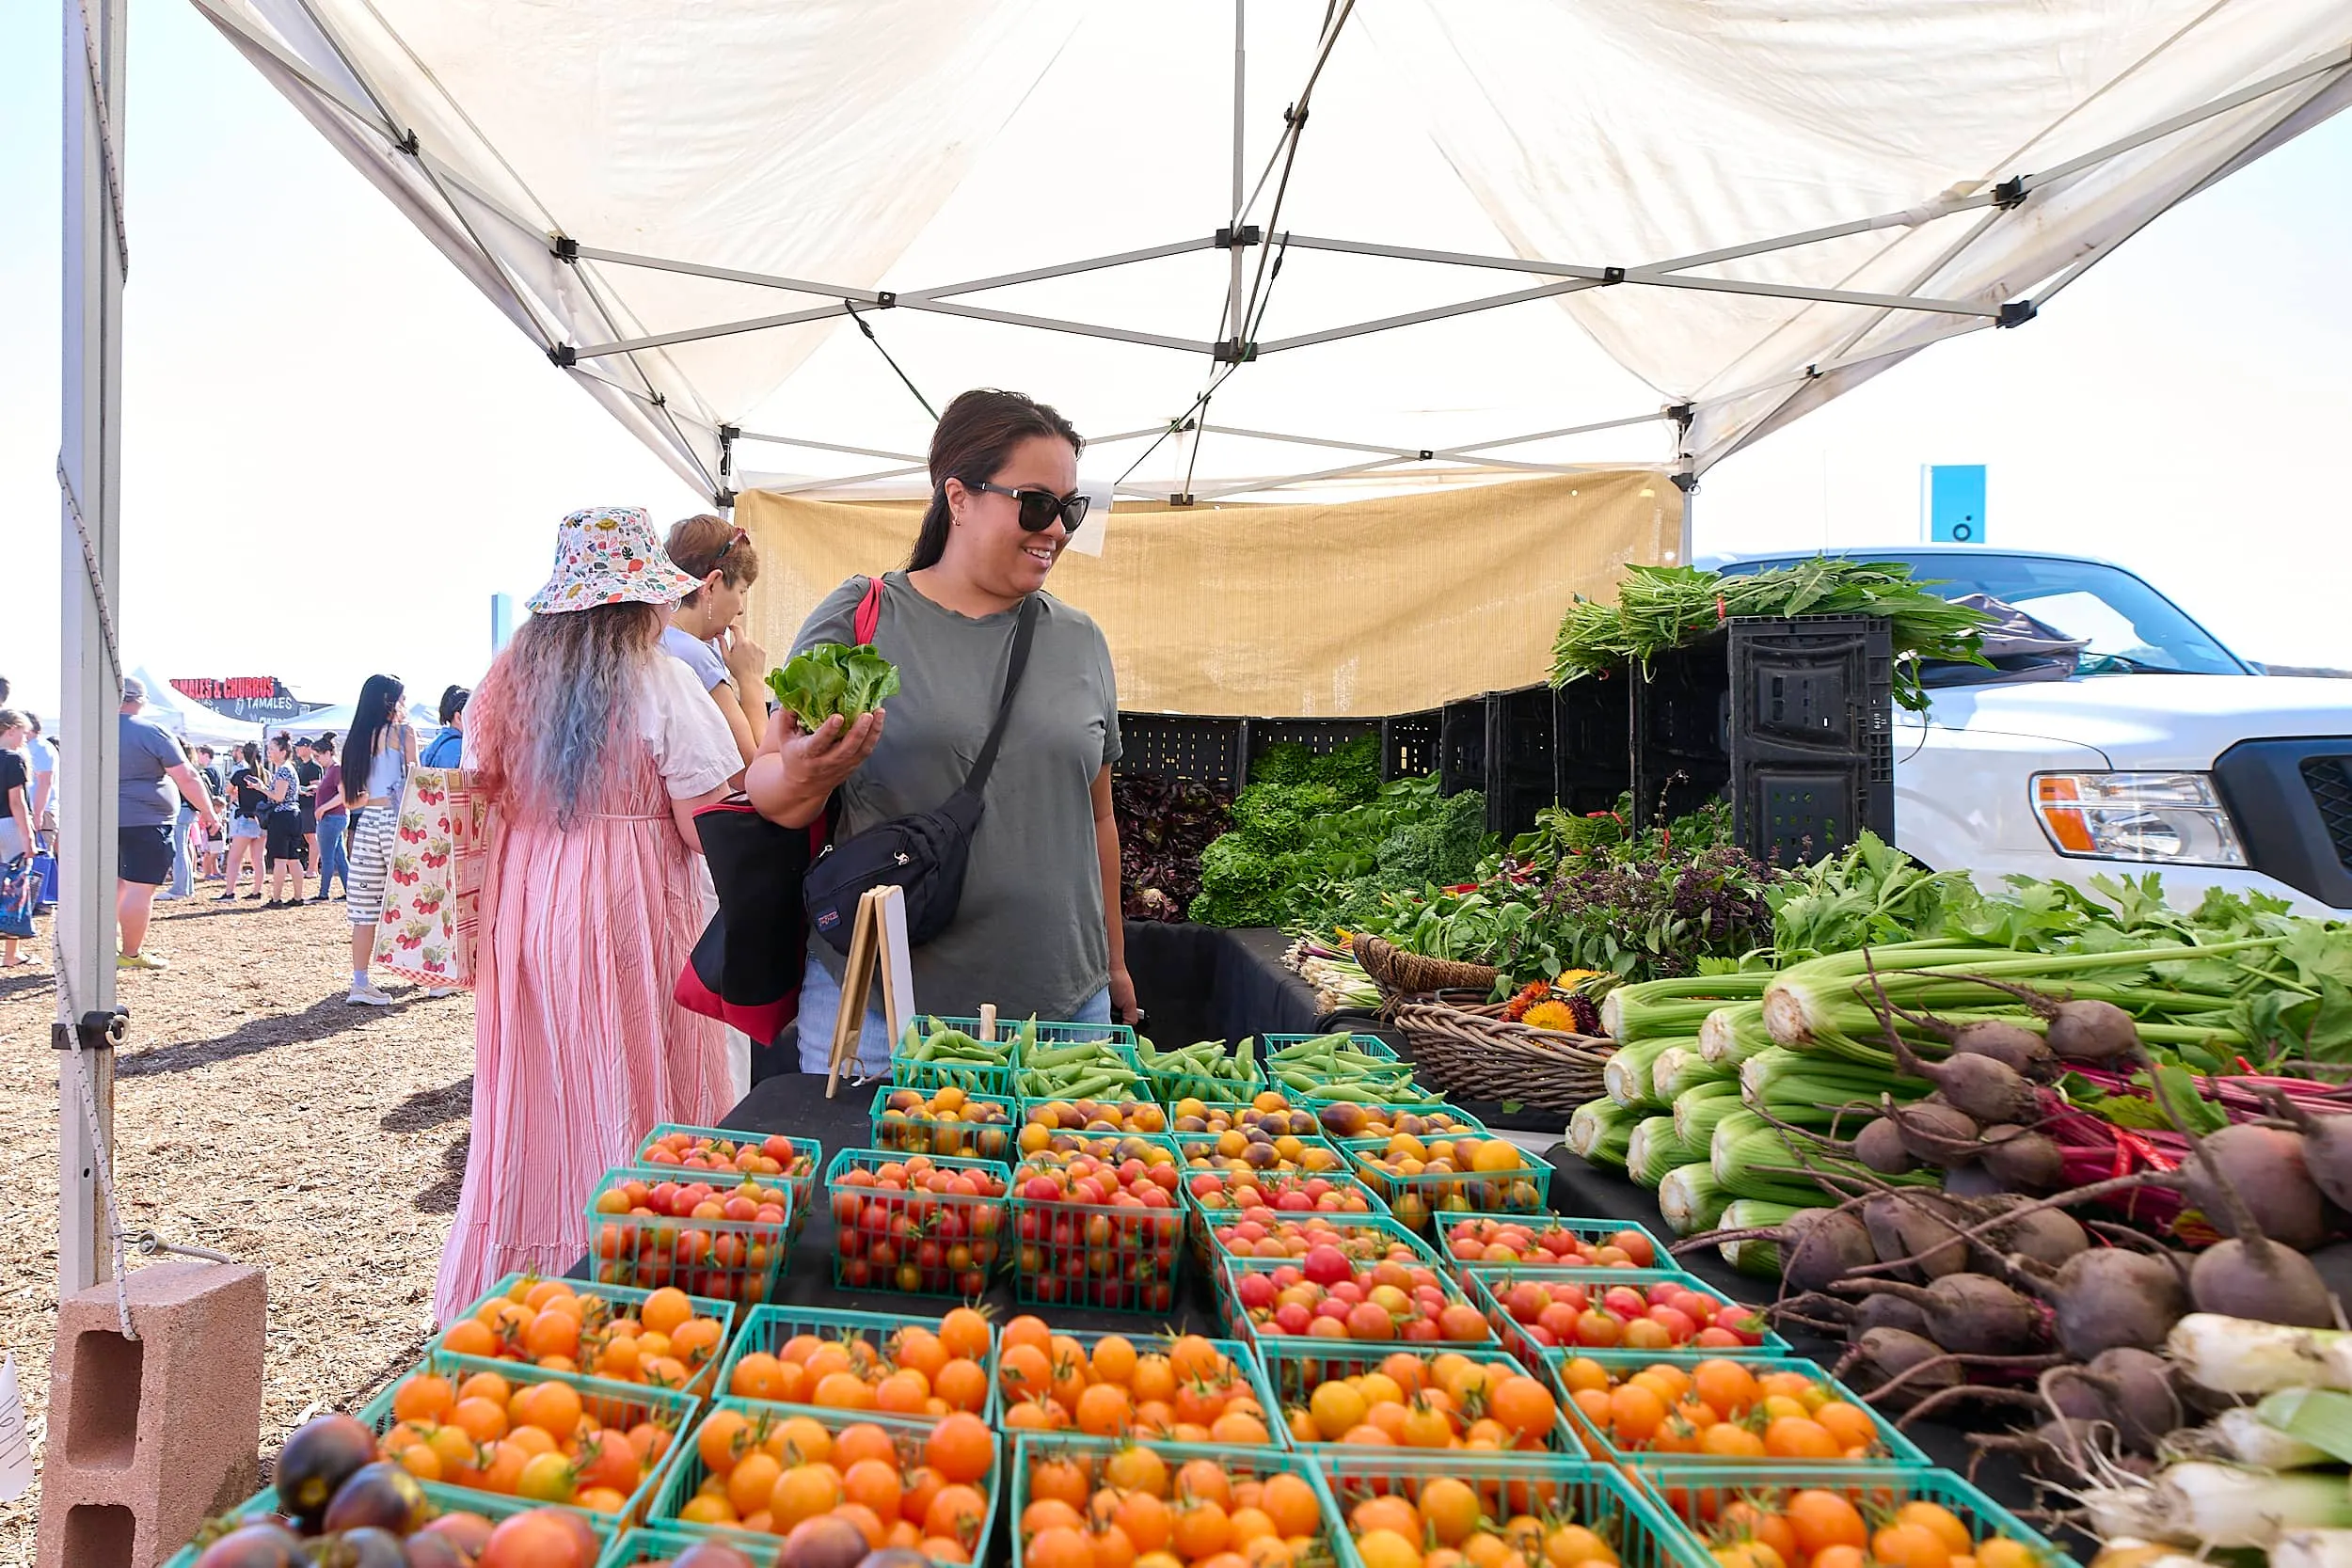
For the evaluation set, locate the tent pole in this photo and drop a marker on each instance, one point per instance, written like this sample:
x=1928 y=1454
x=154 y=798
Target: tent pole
x=1233 y=295
x=88 y=472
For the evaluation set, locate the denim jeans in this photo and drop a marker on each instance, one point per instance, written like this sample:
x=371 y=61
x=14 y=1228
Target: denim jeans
x=821 y=1006
x=334 y=859
x=183 y=866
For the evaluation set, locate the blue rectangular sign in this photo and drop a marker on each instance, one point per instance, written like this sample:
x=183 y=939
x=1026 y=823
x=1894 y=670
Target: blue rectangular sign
x=1956 y=503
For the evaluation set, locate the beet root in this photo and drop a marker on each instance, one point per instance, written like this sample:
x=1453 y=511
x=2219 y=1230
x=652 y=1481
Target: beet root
x=1910 y=1228
x=2047 y=1236
x=1971 y=1314
x=2249 y=1278
x=1885 y=1356
x=2023 y=1051
x=1973 y=1181
x=2022 y=1159
x=1886 y=1309
x=1880 y=1146
x=1935 y=1134
x=2092 y=1031
x=1983 y=1088
x=2265 y=1169
x=2106 y=1297
x=2141 y=1400
x=2326 y=1148
x=1833 y=1243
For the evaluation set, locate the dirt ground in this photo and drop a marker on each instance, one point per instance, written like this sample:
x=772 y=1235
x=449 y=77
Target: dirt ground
x=261 y=1116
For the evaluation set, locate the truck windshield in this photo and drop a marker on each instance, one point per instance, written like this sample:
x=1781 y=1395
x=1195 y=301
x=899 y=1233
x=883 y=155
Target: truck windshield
x=2129 y=626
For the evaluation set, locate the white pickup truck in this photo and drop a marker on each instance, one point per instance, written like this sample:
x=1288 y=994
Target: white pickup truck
x=2163 y=750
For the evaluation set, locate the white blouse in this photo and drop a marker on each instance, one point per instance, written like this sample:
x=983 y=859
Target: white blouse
x=691 y=745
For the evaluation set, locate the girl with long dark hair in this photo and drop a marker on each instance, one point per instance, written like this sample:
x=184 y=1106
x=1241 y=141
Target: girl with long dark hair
x=377 y=754
x=249 y=801
x=593 y=749
x=1039 y=929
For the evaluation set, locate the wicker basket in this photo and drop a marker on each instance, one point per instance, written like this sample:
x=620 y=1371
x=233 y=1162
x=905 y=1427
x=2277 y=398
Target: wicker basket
x=1403 y=974
x=1475 y=1051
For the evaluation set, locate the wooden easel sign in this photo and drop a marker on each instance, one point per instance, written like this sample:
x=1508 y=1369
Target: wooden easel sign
x=877 y=939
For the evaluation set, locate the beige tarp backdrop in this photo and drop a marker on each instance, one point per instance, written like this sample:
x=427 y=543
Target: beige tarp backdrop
x=1355 y=609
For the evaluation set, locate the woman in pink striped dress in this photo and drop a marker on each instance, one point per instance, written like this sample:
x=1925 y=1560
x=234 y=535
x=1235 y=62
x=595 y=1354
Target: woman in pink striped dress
x=594 y=750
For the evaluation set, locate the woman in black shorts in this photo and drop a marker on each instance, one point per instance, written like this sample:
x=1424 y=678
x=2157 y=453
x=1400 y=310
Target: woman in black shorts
x=284 y=826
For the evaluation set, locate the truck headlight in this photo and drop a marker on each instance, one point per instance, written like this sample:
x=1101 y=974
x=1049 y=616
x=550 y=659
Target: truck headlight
x=2169 y=819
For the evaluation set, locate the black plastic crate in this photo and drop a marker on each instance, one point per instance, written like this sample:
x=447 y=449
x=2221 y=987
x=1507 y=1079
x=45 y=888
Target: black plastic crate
x=1182 y=748
x=1462 y=746
x=1410 y=744
x=1592 y=746
x=1810 y=707
x=1520 y=748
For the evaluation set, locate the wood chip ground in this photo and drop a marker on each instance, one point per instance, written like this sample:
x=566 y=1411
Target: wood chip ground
x=259 y=1115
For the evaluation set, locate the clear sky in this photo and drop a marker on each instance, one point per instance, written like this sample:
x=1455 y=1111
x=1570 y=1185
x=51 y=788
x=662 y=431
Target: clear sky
x=336 y=450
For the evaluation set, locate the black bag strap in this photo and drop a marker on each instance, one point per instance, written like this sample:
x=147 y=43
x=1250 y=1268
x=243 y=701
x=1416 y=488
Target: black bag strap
x=1021 y=631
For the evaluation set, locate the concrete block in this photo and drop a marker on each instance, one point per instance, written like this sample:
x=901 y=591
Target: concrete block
x=148 y=1438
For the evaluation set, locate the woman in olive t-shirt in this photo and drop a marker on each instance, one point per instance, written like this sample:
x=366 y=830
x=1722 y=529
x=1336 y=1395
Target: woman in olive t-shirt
x=1038 y=931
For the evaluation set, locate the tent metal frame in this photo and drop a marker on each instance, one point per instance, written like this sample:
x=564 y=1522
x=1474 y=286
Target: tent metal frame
x=832 y=300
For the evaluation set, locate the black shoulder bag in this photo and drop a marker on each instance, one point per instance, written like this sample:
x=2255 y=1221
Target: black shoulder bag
x=924 y=854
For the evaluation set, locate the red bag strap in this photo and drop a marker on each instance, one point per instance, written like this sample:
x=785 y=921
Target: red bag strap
x=869 y=611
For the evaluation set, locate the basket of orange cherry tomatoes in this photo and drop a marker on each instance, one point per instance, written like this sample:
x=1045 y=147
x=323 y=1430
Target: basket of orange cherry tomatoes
x=1479 y=1400
x=1179 y=1386
x=833 y=1485
x=795 y=1162
x=608 y=1333
x=1090 y=1502
x=1404 y=1510
x=1842 y=1516
x=544 y=1438
x=901 y=1366
x=1628 y=1407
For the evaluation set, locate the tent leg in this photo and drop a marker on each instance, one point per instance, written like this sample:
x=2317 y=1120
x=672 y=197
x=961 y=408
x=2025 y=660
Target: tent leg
x=88 y=470
x=1234 y=298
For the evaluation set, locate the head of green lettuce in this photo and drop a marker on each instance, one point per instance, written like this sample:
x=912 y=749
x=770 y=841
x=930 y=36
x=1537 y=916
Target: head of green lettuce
x=834 y=678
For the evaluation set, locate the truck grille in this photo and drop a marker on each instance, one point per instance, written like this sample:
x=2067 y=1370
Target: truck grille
x=2329 y=780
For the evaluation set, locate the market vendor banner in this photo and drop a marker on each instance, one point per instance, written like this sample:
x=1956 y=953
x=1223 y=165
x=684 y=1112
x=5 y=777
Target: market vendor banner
x=1352 y=610
x=248 y=699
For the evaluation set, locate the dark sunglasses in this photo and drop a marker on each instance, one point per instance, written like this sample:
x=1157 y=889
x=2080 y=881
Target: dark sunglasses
x=1039 y=508
x=727 y=548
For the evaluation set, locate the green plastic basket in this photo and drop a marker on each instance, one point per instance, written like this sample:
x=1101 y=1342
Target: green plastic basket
x=445 y=1499
x=1487 y=1288
x=1116 y=1053
x=883 y=1234
x=705 y=1307
x=1140 y=1103
x=1364 y=1238
x=1236 y=1317
x=1508 y=1484
x=1370 y=1045
x=905 y=1133
x=1244 y=1358
x=1296 y=1368
x=768 y=1328
x=630 y=1406
x=1587 y=1231
x=1207 y=1151
x=737 y=1260
x=1423 y=1198
x=1621 y=1364
x=1090 y=1453
x=1118 y=1257
x=687 y=1472
x=800 y=1175
x=972 y=1077
x=1170 y=1085
x=1691 y=1496
x=1458 y=1121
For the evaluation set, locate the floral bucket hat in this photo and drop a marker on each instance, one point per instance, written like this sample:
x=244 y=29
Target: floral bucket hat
x=609 y=555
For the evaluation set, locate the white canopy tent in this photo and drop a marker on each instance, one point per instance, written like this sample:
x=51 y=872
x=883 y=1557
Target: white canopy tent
x=192 y=722
x=1402 y=242
x=1468 y=241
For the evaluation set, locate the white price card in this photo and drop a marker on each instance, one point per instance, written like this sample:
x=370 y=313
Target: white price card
x=16 y=1448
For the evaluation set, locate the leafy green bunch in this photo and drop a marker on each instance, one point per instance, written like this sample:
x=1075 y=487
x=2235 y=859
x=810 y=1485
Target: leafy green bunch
x=1660 y=607
x=1317 y=840
x=834 y=679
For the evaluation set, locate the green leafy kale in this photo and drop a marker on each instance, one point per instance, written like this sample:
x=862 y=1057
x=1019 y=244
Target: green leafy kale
x=1303 y=855
x=834 y=679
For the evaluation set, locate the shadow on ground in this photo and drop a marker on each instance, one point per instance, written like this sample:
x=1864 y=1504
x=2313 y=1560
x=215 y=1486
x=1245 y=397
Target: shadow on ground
x=441 y=1197
x=431 y=1108
x=322 y=1019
